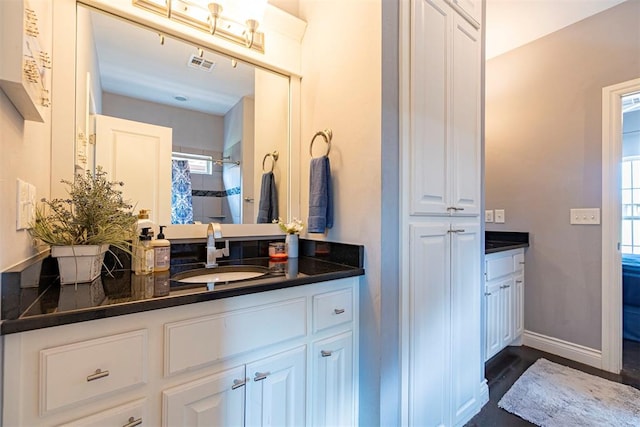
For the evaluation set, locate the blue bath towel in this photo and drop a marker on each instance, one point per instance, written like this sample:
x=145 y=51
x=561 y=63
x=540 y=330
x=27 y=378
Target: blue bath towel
x=320 y=198
x=268 y=207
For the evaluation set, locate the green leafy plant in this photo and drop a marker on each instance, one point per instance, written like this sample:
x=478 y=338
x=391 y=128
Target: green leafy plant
x=94 y=214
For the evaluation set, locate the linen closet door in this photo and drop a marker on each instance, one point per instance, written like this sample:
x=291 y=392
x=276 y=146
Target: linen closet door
x=429 y=324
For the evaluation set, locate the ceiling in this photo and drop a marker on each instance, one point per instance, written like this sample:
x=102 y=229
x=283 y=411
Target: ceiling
x=513 y=23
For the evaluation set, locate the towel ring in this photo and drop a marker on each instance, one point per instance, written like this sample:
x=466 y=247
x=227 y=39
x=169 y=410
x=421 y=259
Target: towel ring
x=327 y=134
x=274 y=156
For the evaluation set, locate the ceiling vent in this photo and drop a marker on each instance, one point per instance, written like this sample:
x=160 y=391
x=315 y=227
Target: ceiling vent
x=201 y=63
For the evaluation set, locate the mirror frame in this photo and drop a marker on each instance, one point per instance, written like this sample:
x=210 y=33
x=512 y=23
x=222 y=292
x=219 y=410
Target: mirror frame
x=282 y=55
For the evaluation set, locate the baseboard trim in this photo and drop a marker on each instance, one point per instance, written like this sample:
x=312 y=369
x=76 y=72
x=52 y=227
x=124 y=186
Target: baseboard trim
x=566 y=349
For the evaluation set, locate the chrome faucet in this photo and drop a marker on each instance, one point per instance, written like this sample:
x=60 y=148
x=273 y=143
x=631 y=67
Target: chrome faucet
x=214 y=231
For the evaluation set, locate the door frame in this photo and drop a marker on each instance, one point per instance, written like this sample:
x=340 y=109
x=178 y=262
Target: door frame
x=611 y=222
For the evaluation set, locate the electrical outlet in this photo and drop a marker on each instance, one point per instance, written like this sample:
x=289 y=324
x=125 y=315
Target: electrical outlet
x=25 y=204
x=488 y=215
x=499 y=216
x=585 y=216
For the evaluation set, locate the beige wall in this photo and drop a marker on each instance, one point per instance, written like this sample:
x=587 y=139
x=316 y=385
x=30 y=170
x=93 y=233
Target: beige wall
x=341 y=90
x=543 y=157
x=25 y=148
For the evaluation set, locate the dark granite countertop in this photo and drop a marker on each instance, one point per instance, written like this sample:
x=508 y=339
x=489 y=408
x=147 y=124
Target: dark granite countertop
x=121 y=292
x=499 y=241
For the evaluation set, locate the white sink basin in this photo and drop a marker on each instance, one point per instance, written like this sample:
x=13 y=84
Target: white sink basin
x=231 y=273
x=230 y=276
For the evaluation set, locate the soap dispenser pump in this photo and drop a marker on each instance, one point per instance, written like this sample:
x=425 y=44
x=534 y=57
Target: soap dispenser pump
x=144 y=256
x=161 y=251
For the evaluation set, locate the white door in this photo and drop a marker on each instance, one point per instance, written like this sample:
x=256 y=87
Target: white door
x=506 y=311
x=332 y=381
x=493 y=335
x=276 y=390
x=429 y=324
x=466 y=320
x=464 y=157
x=428 y=150
x=215 y=400
x=138 y=154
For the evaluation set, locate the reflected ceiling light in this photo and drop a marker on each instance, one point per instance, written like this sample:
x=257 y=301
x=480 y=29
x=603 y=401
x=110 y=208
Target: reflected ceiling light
x=236 y=21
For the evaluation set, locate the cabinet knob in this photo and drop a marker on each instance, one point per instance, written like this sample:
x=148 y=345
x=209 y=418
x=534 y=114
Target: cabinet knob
x=518 y=281
x=338 y=310
x=326 y=353
x=97 y=375
x=260 y=376
x=133 y=422
x=238 y=383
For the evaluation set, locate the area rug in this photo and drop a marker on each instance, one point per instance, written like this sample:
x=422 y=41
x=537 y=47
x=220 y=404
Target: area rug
x=552 y=395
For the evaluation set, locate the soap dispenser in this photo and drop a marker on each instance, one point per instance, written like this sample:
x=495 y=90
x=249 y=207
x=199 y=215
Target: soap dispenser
x=162 y=252
x=144 y=256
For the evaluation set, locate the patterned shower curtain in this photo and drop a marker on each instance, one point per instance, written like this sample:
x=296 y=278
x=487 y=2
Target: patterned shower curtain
x=181 y=206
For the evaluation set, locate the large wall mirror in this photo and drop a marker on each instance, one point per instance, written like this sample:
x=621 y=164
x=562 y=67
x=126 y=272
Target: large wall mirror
x=227 y=119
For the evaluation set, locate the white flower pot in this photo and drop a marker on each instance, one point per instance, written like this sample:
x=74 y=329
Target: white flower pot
x=79 y=264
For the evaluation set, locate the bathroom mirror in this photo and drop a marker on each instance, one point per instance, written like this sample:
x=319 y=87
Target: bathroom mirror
x=228 y=120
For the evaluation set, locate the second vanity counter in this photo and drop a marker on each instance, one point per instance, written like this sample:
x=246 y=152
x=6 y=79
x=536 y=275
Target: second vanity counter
x=121 y=292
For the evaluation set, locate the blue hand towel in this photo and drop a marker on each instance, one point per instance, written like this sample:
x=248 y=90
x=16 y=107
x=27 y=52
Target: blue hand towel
x=320 y=198
x=268 y=207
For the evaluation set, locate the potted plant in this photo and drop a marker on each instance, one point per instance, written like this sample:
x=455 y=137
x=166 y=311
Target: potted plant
x=80 y=229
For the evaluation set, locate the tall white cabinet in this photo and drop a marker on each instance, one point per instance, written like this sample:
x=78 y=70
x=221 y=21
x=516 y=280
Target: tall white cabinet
x=443 y=382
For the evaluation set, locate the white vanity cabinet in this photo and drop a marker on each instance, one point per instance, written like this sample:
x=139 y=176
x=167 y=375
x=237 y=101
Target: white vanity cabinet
x=504 y=300
x=286 y=357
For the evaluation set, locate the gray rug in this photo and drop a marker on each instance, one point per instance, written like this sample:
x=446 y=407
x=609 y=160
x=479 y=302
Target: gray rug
x=552 y=395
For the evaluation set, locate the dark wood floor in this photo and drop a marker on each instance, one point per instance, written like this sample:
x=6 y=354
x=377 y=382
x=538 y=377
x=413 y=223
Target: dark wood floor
x=507 y=366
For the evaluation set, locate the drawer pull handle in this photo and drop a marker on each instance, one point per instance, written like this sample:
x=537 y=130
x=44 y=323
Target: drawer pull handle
x=326 y=353
x=238 y=383
x=521 y=262
x=488 y=293
x=459 y=230
x=453 y=208
x=261 y=376
x=338 y=310
x=133 y=422
x=97 y=375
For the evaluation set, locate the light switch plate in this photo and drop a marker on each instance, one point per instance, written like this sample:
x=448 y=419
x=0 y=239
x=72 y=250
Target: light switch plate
x=488 y=215
x=588 y=216
x=499 y=216
x=25 y=204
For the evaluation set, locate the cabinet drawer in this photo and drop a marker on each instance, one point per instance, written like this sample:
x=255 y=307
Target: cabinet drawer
x=518 y=262
x=128 y=415
x=499 y=267
x=331 y=309
x=197 y=342
x=87 y=369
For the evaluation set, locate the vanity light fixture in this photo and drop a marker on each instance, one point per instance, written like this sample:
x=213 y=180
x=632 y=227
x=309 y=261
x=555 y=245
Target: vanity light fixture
x=236 y=21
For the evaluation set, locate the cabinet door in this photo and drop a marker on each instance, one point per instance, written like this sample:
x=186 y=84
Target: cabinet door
x=428 y=322
x=465 y=118
x=276 y=390
x=519 y=305
x=332 y=381
x=215 y=400
x=471 y=8
x=506 y=311
x=493 y=336
x=429 y=107
x=466 y=319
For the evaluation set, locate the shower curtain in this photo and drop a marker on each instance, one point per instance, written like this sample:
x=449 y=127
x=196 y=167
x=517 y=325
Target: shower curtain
x=181 y=205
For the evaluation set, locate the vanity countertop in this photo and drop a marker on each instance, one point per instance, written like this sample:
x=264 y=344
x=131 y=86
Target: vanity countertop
x=122 y=292
x=499 y=241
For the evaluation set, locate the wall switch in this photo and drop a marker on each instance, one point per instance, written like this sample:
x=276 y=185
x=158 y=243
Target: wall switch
x=590 y=216
x=25 y=204
x=499 y=216
x=488 y=215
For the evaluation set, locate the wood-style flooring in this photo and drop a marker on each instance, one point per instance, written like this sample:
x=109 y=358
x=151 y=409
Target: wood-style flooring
x=507 y=366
